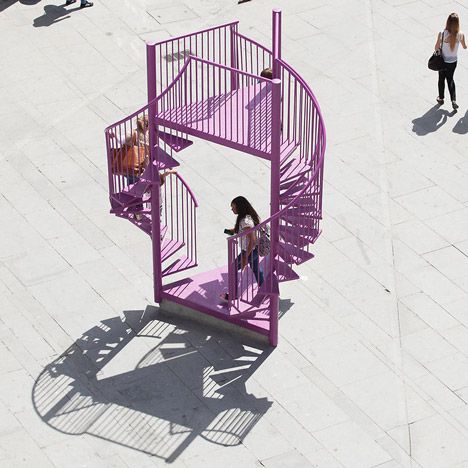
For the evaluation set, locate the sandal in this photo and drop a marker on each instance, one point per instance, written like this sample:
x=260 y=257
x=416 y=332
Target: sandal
x=440 y=101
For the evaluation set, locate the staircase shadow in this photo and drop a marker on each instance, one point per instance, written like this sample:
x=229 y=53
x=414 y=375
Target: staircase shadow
x=4 y=4
x=431 y=121
x=153 y=384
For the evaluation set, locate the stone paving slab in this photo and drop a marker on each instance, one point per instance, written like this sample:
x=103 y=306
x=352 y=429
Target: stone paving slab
x=372 y=365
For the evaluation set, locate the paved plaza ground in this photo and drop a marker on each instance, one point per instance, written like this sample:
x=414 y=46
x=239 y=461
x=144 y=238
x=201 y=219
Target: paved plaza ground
x=372 y=364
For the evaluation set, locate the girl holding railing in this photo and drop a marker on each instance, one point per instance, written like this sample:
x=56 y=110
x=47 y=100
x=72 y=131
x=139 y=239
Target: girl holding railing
x=247 y=218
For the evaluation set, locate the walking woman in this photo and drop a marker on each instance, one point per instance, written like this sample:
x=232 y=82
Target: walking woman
x=448 y=41
x=246 y=219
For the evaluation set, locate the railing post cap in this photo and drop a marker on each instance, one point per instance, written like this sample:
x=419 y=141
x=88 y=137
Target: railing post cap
x=276 y=81
x=150 y=43
x=277 y=10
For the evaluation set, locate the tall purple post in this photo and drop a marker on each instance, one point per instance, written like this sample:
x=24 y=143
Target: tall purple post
x=233 y=41
x=276 y=46
x=155 y=193
x=275 y=168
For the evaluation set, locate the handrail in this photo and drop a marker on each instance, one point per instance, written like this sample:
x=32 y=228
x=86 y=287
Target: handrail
x=189 y=190
x=213 y=28
x=174 y=81
x=312 y=179
x=225 y=67
x=155 y=100
x=306 y=88
x=131 y=116
x=253 y=42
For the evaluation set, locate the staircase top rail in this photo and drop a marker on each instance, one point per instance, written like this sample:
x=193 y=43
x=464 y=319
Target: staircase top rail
x=225 y=67
x=213 y=28
x=189 y=190
x=307 y=90
x=253 y=41
x=174 y=81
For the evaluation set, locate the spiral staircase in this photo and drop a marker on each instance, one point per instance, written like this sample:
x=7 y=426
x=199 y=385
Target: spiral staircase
x=209 y=85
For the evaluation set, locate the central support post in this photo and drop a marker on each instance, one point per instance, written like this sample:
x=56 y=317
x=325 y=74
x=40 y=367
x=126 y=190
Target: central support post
x=275 y=169
x=155 y=184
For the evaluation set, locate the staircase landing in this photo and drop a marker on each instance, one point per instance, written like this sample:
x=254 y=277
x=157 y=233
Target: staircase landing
x=201 y=293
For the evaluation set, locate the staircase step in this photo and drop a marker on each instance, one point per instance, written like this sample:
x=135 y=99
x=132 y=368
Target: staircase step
x=301 y=219
x=305 y=200
x=292 y=188
x=291 y=253
x=301 y=230
x=165 y=161
x=170 y=247
x=144 y=224
x=291 y=236
x=286 y=149
x=293 y=169
x=181 y=264
x=307 y=210
x=177 y=143
x=284 y=272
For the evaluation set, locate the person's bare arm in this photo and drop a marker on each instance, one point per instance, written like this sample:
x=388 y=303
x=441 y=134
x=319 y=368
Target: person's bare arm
x=166 y=173
x=438 y=43
x=462 y=41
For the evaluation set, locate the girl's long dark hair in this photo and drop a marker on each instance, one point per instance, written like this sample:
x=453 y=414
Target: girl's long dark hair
x=244 y=208
x=452 y=26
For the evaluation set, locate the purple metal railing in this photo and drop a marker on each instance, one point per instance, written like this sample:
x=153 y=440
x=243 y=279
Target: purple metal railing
x=178 y=214
x=213 y=44
x=252 y=57
x=208 y=106
x=208 y=84
x=124 y=136
x=300 y=196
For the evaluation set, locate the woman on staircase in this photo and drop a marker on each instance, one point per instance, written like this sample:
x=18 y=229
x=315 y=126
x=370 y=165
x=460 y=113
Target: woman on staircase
x=247 y=218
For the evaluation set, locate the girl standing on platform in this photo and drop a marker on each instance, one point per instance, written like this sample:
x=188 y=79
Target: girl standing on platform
x=448 y=41
x=247 y=218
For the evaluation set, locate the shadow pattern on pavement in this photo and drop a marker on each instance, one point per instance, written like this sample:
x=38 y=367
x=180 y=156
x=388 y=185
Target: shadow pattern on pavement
x=4 y=4
x=187 y=385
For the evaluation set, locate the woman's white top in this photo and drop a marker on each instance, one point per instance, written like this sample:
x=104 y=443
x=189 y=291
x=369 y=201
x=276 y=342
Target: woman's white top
x=449 y=55
x=245 y=223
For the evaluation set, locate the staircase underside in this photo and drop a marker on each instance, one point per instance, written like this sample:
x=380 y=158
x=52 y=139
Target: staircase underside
x=201 y=293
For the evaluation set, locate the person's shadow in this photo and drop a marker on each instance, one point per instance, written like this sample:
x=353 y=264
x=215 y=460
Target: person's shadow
x=431 y=121
x=53 y=14
x=461 y=126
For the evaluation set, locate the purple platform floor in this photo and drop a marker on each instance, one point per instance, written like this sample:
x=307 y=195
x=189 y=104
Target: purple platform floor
x=202 y=291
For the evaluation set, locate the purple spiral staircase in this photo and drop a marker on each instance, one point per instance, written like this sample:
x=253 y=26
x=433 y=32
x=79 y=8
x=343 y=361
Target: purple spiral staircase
x=208 y=85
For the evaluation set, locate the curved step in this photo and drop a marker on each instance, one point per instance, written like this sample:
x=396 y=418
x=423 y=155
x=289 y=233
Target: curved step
x=290 y=235
x=293 y=254
x=300 y=220
x=177 y=143
x=284 y=272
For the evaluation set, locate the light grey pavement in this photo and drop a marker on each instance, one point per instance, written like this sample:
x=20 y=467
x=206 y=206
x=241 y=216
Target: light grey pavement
x=372 y=365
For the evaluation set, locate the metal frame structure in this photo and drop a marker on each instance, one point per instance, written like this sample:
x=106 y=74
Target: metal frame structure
x=207 y=84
